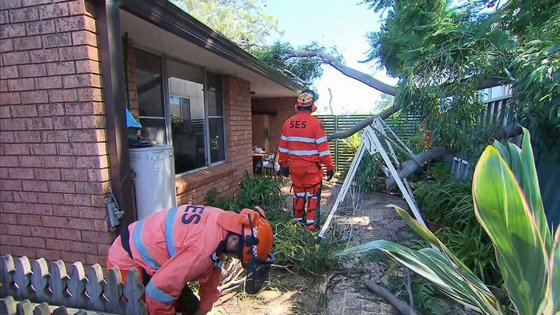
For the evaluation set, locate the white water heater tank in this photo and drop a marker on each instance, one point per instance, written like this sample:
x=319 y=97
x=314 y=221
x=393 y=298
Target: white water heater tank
x=154 y=183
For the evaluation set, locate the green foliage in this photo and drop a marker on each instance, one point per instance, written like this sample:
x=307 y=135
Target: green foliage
x=440 y=47
x=471 y=247
x=260 y=191
x=294 y=248
x=369 y=176
x=281 y=55
x=448 y=203
x=214 y=199
x=439 y=171
x=244 y=22
x=507 y=201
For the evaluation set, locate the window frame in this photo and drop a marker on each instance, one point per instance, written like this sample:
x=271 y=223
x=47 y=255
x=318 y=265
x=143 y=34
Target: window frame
x=223 y=117
x=167 y=110
x=163 y=94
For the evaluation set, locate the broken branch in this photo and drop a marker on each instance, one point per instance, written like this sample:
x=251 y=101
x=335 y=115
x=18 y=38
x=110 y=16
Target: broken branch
x=399 y=305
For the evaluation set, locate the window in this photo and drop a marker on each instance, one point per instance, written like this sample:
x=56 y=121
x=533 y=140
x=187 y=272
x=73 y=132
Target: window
x=192 y=116
x=215 y=117
x=150 y=96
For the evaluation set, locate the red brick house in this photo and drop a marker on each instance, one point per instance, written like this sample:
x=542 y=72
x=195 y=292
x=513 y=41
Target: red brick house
x=68 y=71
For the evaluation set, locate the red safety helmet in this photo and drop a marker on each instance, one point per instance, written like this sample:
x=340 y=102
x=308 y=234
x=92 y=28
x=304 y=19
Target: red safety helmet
x=307 y=98
x=256 y=244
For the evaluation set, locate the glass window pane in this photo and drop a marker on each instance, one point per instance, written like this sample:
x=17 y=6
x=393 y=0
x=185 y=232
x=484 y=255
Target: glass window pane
x=214 y=94
x=149 y=84
x=183 y=71
x=217 y=151
x=187 y=124
x=153 y=129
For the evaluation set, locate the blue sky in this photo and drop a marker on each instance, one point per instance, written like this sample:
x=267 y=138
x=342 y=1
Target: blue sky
x=340 y=23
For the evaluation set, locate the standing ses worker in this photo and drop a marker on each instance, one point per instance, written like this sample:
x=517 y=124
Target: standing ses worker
x=303 y=149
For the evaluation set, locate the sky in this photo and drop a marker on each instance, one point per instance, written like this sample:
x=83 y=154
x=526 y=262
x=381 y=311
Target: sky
x=340 y=23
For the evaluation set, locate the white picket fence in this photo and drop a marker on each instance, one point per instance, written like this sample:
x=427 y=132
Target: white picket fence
x=36 y=289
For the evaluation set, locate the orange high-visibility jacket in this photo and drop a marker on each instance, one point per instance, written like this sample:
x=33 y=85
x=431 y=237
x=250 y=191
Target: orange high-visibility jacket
x=303 y=142
x=175 y=247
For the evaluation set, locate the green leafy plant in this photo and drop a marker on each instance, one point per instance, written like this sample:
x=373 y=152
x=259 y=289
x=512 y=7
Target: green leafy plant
x=260 y=191
x=508 y=205
x=214 y=199
x=447 y=202
x=294 y=248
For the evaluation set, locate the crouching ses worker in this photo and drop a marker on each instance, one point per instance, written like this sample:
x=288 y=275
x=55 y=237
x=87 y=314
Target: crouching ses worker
x=189 y=243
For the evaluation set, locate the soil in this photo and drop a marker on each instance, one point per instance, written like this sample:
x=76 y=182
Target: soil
x=341 y=291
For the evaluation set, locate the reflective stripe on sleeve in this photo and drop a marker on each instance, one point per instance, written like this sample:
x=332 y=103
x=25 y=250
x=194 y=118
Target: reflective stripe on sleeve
x=169 y=225
x=156 y=294
x=324 y=153
x=321 y=140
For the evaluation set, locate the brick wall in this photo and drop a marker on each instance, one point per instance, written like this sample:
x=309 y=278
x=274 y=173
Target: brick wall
x=239 y=130
x=53 y=154
x=282 y=108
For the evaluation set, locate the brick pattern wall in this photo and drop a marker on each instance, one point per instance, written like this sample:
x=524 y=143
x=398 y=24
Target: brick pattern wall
x=192 y=193
x=53 y=154
x=239 y=130
x=284 y=109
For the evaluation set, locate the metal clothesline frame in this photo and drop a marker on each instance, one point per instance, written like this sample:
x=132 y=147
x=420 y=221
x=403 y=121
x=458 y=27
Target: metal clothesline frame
x=372 y=143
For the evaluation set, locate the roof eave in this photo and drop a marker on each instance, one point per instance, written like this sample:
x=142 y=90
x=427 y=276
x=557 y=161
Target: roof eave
x=171 y=18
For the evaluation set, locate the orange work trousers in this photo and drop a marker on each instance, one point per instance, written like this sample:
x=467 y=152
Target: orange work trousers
x=307 y=181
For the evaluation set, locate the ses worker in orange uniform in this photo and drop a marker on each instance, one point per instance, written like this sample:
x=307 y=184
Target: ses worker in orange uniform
x=303 y=148
x=189 y=243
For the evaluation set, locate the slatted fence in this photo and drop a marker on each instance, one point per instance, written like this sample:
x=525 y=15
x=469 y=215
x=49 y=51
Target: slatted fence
x=405 y=126
x=33 y=288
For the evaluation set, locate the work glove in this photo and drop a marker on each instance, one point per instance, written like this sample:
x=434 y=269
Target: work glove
x=285 y=171
x=330 y=175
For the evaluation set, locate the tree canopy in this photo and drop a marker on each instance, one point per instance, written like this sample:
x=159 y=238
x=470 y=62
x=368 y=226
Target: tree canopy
x=245 y=22
x=440 y=48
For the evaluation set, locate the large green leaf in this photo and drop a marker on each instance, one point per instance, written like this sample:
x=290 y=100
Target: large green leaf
x=503 y=212
x=532 y=190
x=521 y=162
x=554 y=297
x=456 y=263
x=434 y=266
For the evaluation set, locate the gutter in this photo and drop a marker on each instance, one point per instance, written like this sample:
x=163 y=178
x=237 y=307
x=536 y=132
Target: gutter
x=174 y=20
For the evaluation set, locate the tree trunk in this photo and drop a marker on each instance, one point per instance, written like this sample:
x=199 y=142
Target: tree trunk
x=364 y=123
x=410 y=166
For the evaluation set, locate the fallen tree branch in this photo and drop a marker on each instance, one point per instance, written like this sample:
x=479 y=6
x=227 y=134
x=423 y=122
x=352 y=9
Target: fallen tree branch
x=399 y=305
x=364 y=123
x=408 y=284
x=410 y=166
x=347 y=71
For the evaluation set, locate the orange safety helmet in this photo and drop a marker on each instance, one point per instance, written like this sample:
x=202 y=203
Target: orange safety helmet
x=307 y=98
x=256 y=244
